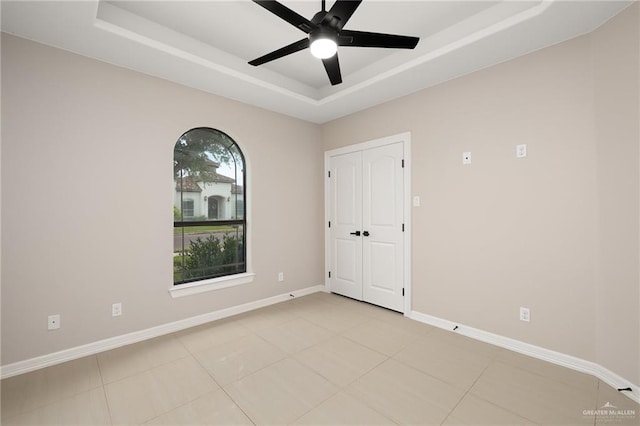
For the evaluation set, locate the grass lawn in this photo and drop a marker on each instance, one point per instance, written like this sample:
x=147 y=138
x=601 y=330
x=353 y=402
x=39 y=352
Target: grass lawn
x=202 y=229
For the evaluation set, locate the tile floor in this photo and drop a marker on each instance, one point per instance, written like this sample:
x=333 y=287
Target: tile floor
x=320 y=359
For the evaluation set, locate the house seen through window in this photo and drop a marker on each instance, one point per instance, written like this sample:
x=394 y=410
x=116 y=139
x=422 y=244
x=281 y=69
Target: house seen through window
x=209 y=207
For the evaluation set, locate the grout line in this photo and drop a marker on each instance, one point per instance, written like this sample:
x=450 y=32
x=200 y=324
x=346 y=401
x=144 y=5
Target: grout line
x=220 y=387
x=494 y=361
x=469 y=390
x=338 y=390
x=146 y=368
x=553 y=378
x=237 y=405
x=56 y=399
x=104 y=390
x=342 y=307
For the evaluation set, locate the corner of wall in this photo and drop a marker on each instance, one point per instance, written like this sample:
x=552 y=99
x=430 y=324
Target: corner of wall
x=616 y=74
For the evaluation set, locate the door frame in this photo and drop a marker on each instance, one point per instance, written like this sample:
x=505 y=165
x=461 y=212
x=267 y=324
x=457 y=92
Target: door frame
x=405 y=138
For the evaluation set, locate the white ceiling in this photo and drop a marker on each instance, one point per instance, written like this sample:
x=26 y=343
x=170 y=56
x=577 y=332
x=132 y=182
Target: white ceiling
x=207 y=44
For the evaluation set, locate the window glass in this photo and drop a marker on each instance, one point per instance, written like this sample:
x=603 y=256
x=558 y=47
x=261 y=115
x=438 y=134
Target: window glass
x=187 y=208
x=209 y=206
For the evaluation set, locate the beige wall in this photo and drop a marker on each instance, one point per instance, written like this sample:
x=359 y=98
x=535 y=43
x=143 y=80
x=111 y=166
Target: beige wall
x=616 y=79
x=556 y=232
x=87 y=150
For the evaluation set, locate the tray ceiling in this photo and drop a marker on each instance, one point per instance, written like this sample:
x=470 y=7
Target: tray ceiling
x=207 y=44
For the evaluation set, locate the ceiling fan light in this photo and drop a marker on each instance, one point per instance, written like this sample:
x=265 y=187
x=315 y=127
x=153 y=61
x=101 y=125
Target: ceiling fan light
x=323 y=48
x=323 y=45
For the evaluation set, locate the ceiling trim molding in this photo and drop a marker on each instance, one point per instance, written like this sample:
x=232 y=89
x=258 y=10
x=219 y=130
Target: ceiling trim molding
x=107 y=15
x=449 y=48
x=158 y=40
x=108 y=11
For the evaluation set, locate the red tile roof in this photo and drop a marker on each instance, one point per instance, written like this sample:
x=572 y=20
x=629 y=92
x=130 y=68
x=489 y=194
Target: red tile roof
x=188 y=185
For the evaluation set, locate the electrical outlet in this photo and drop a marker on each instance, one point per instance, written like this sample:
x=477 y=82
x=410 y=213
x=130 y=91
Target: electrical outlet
x=280 y=276
x=116 y=309
x=525 y=315
x=466 y=158
x=521 y=151
x=53 y=322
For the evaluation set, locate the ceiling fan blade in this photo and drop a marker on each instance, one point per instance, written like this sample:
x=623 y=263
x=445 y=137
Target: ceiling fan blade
x=342 y=9
x=284 y=51
x=287 y=14
x=366 y=39
x=332 y=67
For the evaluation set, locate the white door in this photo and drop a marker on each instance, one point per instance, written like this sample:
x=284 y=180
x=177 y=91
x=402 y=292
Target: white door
x=366 y=225
x=346 y=224
x=382 y=220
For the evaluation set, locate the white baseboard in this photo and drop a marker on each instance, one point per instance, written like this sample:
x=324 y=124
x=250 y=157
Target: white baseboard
x=65 y=355
x=574 y=363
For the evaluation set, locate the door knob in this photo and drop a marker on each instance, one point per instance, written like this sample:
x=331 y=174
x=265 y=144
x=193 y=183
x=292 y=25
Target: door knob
x=357 y=233
x=365 y=233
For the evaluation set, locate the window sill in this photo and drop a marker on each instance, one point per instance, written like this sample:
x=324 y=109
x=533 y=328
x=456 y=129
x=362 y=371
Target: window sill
x=211 y=285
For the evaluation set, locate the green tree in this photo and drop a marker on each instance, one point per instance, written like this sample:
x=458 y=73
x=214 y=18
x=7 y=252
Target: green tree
x=199 y=151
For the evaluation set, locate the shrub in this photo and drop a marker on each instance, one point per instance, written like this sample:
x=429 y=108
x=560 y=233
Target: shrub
x=209 y=258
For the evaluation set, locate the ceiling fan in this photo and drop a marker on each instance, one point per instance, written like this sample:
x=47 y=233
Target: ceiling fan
x=325 y=33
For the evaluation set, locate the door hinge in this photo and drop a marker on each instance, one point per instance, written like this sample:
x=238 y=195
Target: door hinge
x=403 y=163
x=330 y=275
x=329 y=173
x=403 y=291
x=403 y=227
x=329 y=224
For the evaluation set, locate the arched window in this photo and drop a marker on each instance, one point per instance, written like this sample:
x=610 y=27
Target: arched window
x=209 y=207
